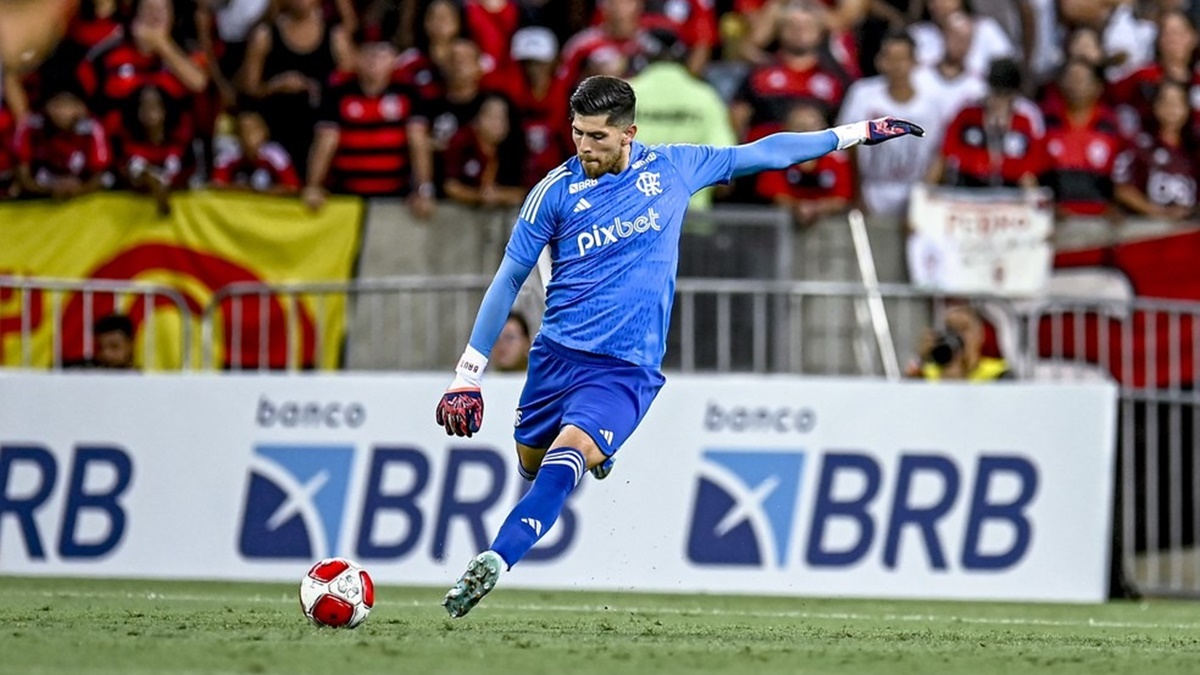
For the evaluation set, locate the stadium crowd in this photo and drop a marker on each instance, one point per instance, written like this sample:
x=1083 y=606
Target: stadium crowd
x=466 y=100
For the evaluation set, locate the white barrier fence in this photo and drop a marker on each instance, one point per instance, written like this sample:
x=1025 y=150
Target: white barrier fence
x=775 y=485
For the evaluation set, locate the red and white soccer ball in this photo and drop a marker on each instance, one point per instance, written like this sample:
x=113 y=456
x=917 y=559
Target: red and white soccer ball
x=337 y=593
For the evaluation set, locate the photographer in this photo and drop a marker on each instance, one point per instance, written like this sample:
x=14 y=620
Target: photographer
x=956 y=351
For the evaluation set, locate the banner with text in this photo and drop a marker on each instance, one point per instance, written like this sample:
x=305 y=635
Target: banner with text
x=972 y=240
x=209 y=240
x=737 y=484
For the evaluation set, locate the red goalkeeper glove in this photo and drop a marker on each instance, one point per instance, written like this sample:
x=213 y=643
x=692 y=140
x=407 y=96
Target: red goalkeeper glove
x=874 y=132
x=460 y=412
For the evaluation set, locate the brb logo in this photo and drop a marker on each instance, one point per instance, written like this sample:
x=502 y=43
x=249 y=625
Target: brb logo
x=309 y=501
x=748 y=506
x=92 y=493
x=620 y=229
x=295 y=500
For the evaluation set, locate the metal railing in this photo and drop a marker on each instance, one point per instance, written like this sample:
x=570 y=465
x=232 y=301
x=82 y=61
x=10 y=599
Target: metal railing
x=397 y=323
x=64 y=338
x=1152 y=349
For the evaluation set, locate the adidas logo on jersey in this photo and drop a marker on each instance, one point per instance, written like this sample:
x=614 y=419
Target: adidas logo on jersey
x=620 y=229
x=582 y=205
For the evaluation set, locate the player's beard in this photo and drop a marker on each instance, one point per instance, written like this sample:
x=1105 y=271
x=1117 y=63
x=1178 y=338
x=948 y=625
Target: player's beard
x=601 y=165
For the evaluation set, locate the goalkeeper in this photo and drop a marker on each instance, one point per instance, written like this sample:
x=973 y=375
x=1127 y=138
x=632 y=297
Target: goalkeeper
x=611 y=216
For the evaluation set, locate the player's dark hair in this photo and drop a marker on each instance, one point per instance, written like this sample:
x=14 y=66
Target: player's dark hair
x=111 y=323
x=604 y=95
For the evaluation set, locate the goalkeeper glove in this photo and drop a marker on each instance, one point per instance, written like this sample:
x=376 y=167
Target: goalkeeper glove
x=873 y=132
x=460 y=412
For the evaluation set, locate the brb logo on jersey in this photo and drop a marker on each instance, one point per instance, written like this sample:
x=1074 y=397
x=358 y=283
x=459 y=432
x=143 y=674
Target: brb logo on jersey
x=295 y=500
x=745 y=507
x=601 y=235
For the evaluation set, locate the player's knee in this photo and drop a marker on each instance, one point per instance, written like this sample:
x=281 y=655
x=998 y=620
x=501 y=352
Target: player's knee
x=525 y=473
x=528 y=457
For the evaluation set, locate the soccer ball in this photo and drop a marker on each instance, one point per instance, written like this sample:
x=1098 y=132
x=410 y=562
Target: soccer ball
x=337 y=593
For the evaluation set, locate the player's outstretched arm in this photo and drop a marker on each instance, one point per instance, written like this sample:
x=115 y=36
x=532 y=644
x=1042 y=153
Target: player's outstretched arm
x=783 y=149
x=460 y=412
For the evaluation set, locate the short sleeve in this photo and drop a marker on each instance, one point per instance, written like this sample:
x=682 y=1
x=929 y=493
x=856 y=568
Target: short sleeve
x=538 y=218
x=700 y=165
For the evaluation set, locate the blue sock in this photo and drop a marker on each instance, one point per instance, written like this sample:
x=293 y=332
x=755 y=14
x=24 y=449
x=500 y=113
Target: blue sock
x=535 y=514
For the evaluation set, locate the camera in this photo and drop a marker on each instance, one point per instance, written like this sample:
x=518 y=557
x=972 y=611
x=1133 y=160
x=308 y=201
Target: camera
x=946 y=345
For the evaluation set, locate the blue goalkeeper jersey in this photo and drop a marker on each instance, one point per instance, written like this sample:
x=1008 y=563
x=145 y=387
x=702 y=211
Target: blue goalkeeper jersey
x=614 y=243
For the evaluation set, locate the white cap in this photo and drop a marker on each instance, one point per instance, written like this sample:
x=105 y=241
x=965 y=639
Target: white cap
x=534 y=43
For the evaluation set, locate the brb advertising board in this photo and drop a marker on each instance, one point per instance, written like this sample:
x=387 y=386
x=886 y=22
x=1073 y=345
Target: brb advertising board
x=732 y=484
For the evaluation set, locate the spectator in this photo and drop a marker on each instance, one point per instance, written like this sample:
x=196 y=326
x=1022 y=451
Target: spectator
x=255 y=162
x=615 y=40
x=1176 y=60
x=887 y=172
x=463 y=75
x=491 y=25
x=674 y=107
x=1082 y=144
x=484 y=159
x=288 y=61
x=693 y=21
x=997 y=142
x=1127 y=38
x=511 y=351
x=224 y=28
x=96 y=22
x=1083 y=45
x=147 y=54
x=420 y=66
x=988 y=40
x=842 y=17
x=464 y=96
x=797 y=72
x=372 y=138
x=63 y=151
x=113 y=336
x=816 y=188
x=540 y=102
x=1156 y=177
x=151 y=146
x=956 y=351
x=949 y=82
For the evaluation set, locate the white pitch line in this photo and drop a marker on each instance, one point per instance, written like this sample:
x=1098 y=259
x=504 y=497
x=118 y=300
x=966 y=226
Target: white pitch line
x=674 y=611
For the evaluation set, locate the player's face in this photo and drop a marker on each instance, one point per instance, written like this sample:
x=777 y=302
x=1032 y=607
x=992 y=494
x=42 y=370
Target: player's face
x=601 y=148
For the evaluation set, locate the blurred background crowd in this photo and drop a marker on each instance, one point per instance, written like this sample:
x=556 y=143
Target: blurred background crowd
x=466 y=100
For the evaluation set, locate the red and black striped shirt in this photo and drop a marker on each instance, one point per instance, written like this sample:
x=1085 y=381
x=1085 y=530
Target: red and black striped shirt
x=372 y=157
x=81 y=152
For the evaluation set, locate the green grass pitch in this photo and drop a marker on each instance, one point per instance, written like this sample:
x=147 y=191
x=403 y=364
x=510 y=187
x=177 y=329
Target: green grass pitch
x=89 y=627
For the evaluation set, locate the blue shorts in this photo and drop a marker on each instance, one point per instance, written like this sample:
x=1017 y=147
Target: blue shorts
x=604 y=396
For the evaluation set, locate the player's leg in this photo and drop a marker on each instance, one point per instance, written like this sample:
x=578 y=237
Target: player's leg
x=538 y=418
x=598 y=414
